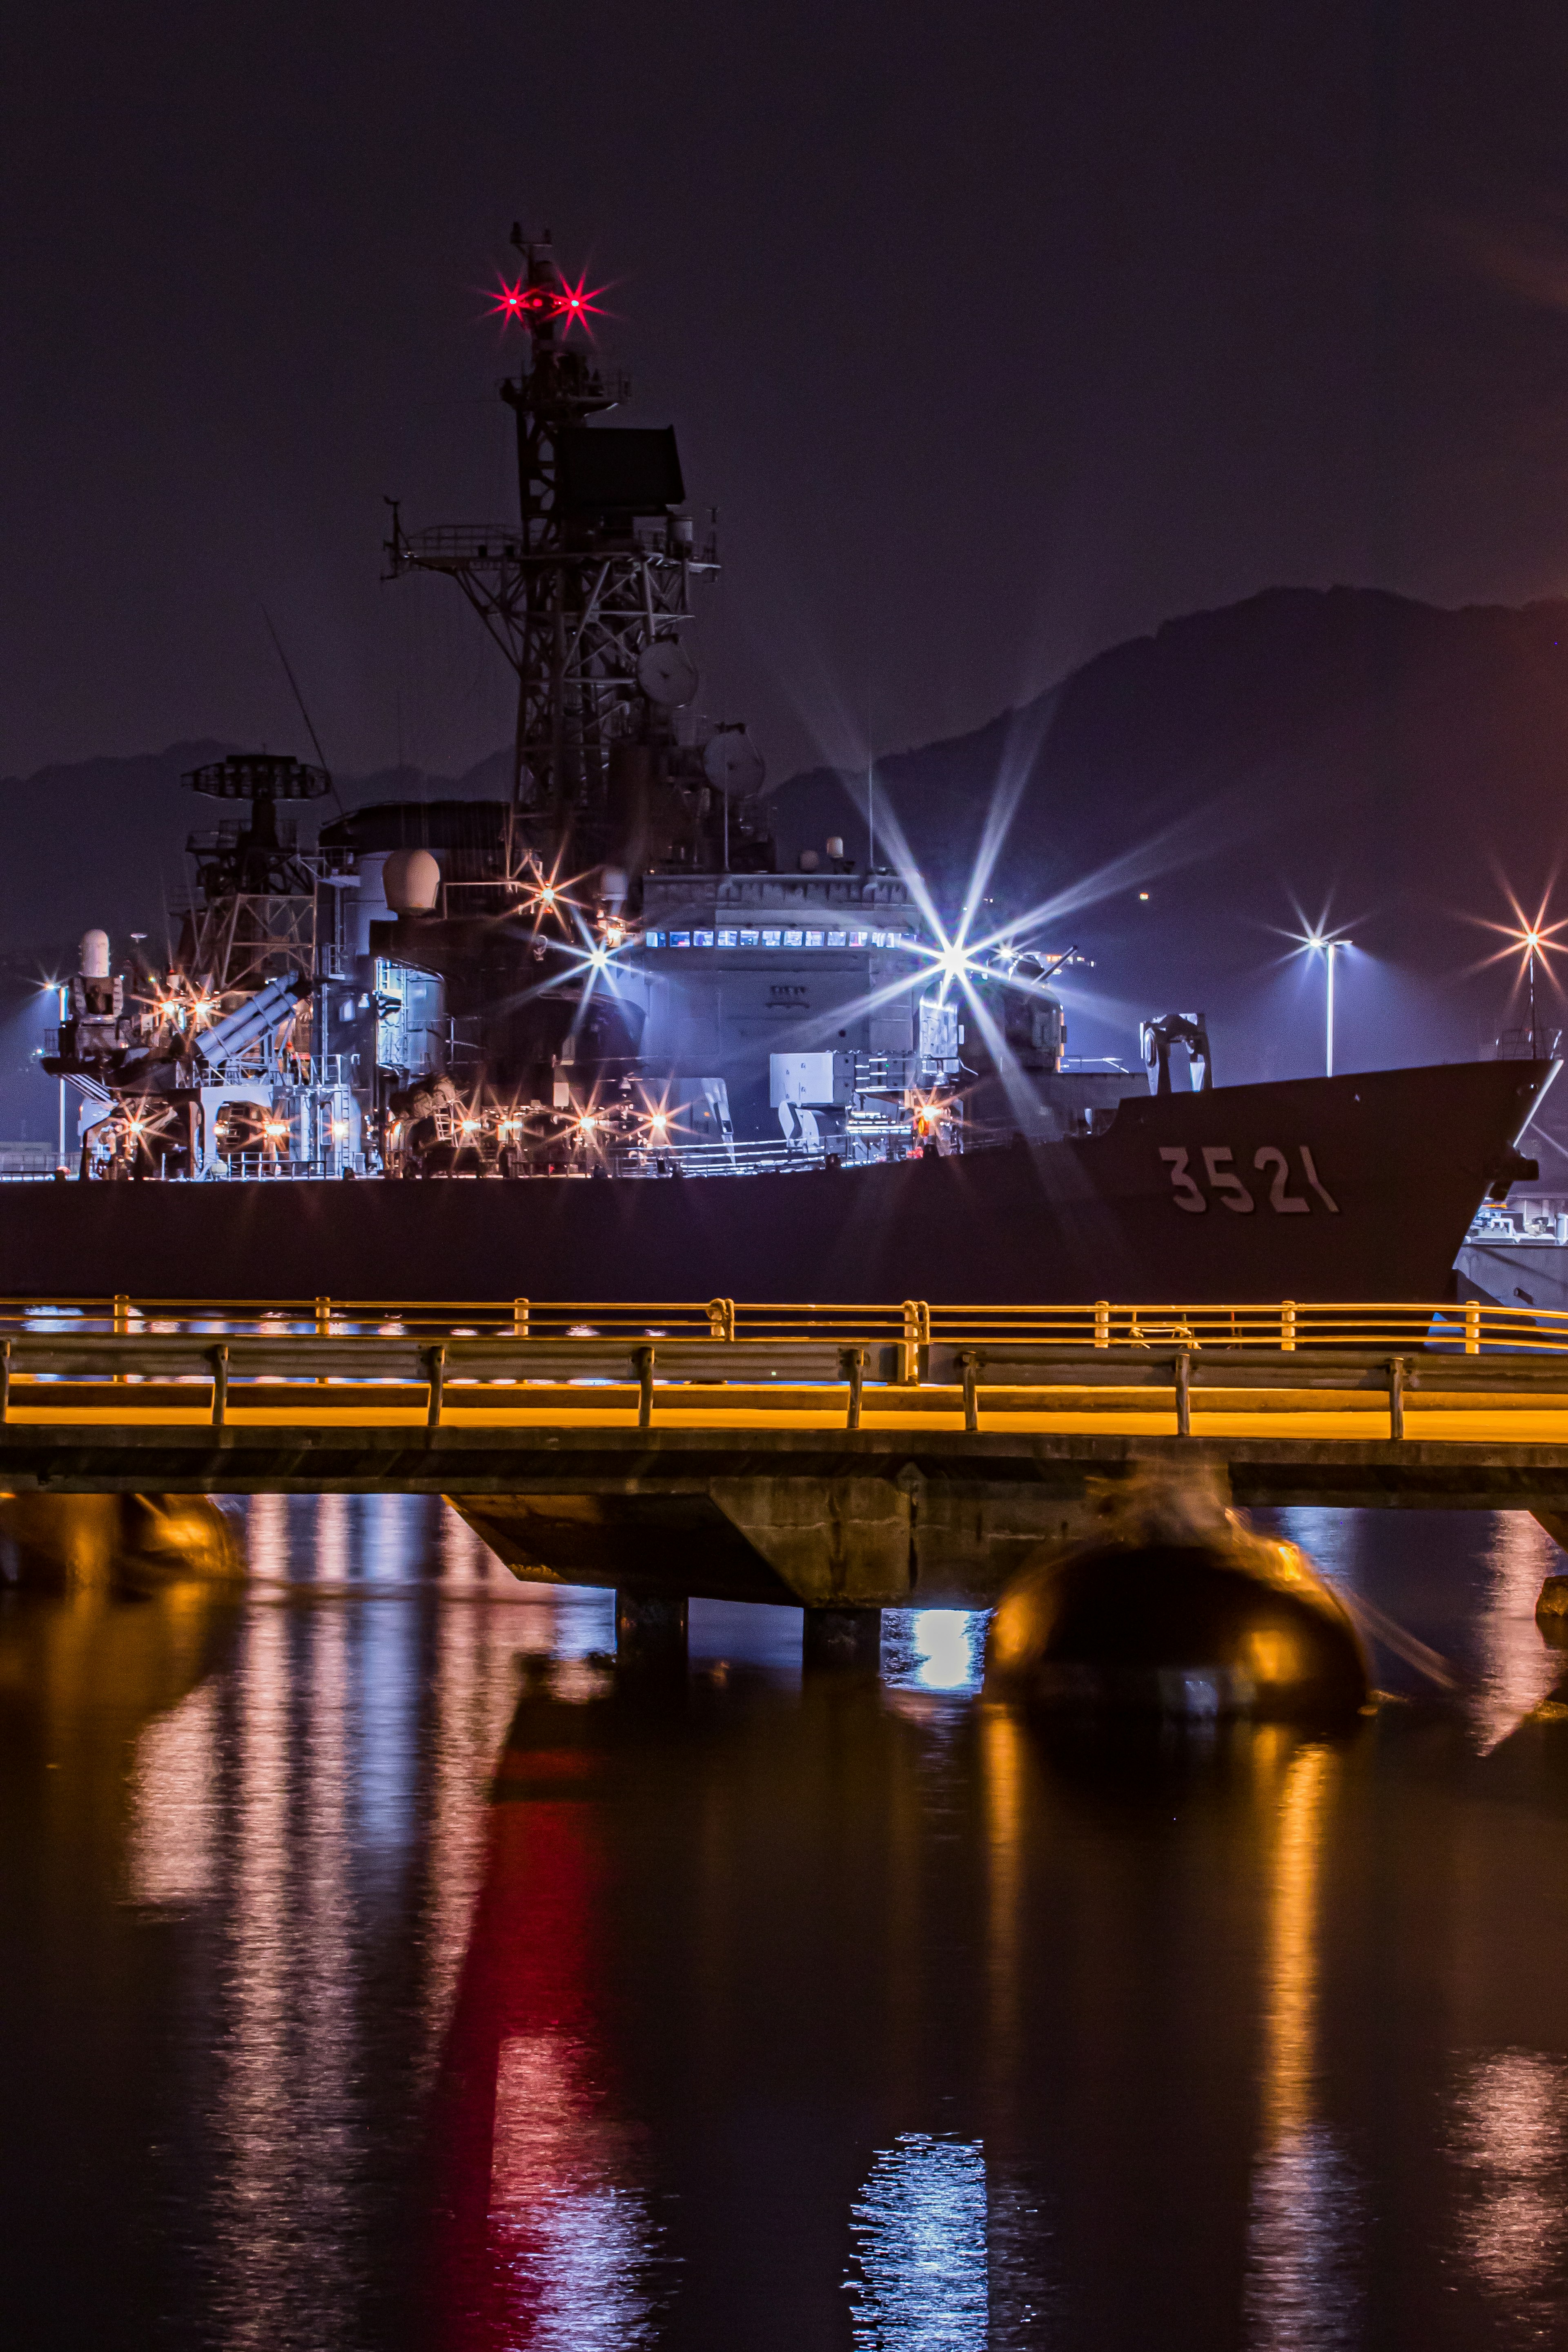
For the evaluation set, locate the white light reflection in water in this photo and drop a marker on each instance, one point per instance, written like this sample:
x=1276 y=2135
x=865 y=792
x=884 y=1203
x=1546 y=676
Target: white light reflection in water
x=1304 y=2237
x=258 y=2102
x=317 y=1917
x=575 y=2239
x=934 y=1649
x=920 y=2240
x=175 y=1803
x=1509 y=2136
x=281 y=1788
x=266 y=1535
x=473 y=1690
x=1329 y=1541
x=1517 y=1667
x=464 y=1560
x=382 y=1549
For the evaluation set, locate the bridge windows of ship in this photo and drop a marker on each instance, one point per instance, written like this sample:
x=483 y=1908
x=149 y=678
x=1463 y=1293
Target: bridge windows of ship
x=770 y=937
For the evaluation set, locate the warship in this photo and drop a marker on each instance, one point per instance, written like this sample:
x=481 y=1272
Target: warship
x=590 y=1041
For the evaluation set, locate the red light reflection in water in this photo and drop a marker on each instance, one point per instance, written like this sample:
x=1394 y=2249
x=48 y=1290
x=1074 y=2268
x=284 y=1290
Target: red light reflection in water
x=546 y=2229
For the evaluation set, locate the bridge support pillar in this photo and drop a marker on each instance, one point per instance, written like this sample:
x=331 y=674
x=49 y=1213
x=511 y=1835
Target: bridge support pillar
x=1552 y=1609
x=650 y=1629
x=72 y=1543
x=842 y=1637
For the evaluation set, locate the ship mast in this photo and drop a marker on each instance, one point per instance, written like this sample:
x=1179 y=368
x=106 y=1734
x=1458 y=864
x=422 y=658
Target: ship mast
x=597 y=568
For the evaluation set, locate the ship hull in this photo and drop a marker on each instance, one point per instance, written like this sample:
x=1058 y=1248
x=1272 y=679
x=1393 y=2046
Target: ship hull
x=1350 y=1188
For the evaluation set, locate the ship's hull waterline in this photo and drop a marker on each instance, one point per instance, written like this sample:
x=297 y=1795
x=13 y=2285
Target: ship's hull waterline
x=1345 y=1188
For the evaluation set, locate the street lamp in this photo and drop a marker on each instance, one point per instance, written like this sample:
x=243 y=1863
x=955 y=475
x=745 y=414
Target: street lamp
x=1532 y=941
x=1329 y=949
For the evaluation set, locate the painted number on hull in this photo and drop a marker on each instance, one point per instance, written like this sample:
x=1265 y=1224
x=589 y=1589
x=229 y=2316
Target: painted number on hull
x=1218 y=1167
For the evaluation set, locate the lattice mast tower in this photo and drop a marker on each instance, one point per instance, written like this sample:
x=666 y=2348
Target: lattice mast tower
x=597 y=570
x=253 y=917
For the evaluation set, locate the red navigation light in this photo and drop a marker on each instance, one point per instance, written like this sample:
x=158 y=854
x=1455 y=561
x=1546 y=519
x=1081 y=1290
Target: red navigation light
x=510 y=302
x=527 y=305
x=577 y=304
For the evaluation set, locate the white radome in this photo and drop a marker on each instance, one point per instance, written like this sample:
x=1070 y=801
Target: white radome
x=411 y=881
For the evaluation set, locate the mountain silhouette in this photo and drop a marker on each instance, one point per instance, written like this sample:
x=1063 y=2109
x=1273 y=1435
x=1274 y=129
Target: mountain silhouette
x=1340 y=754
x=1343 y=755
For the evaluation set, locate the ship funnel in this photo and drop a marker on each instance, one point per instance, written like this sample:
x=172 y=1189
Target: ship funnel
x=95 y=955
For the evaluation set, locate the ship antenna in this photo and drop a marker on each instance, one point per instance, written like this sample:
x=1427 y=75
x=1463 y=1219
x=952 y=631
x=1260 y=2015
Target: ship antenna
x=870 y=790
x=300 y=699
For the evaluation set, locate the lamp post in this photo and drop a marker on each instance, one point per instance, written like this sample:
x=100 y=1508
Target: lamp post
x=61 y=1003
x=1532 y=944
x=1329 y=949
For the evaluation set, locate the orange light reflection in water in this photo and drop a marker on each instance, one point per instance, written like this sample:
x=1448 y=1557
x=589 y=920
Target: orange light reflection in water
x=1302 y=2288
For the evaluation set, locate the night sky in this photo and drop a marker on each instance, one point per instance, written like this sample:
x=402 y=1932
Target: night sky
x=996 y=334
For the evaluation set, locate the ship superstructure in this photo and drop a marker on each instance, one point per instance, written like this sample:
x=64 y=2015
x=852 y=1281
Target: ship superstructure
x=607 y=971
x=616 y=974
x=213 y=1064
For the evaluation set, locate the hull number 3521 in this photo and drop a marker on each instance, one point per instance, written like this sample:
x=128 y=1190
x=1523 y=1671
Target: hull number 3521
x=1217 y=1167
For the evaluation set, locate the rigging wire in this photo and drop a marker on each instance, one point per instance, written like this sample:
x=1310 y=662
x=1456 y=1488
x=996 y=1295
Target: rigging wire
x=300 y=699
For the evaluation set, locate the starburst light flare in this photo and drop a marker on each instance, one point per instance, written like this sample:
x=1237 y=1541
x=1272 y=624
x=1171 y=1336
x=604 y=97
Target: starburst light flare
x=1524 y=937
x=1530 y=945
x=521 y=304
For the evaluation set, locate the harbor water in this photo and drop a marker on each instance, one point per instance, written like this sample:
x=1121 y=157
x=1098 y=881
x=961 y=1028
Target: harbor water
x=382 y=1970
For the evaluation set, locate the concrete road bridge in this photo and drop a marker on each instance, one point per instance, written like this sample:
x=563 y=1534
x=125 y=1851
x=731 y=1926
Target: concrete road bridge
x=844 y=1458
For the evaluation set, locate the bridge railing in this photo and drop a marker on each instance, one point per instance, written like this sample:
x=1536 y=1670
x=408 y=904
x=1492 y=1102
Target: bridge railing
x=380 y=1360
x=93 y=1378
x=1106 y=1327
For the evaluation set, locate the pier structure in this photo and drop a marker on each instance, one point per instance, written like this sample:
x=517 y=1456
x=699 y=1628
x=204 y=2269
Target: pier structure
x=842 y=1459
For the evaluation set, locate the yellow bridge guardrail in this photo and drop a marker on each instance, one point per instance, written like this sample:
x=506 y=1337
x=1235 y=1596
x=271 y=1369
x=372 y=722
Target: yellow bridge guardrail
x=720 y=1364
x=1475 y=1328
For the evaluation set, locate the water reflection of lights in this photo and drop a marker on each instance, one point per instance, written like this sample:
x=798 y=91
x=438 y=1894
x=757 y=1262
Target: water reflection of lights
x=1292 y=1941
x=1510 y=2137
x=260 y=2101
x=1330 y=1541
x=1517 y=1668
x=1006 y=1768
x=1302 y=2294
x=934 y=1649
x=173 y=1803
x=575 y=2242
x=473 y=1695
x=945 y=1641
x=281 y=1793
x=920 y=2249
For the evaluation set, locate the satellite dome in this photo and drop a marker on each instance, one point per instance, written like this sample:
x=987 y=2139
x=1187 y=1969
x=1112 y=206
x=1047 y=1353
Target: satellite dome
x=411 y=880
